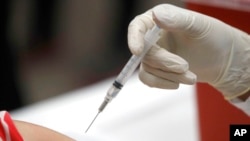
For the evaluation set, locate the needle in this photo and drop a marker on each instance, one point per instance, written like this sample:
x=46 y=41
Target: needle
x=92 y=122
x=150 y=38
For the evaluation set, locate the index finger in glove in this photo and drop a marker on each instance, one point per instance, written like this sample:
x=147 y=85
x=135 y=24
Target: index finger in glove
x=160 y=58
x=137 y=30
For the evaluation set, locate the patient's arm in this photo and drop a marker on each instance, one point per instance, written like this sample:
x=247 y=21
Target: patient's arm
x=32 y=132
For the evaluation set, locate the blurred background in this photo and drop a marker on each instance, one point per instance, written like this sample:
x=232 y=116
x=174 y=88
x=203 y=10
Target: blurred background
x=52 y=47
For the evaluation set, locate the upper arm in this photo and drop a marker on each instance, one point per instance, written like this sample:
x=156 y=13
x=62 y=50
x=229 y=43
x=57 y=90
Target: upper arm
x=32 y=132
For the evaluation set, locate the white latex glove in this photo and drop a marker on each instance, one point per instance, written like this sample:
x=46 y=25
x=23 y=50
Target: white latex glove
x=215 y=52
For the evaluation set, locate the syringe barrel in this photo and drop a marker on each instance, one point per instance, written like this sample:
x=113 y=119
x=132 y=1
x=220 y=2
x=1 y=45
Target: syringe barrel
x=150 y=39
x=129 y=68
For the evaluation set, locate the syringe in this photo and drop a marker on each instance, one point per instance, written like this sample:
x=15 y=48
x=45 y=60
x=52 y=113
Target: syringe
x=151 y=37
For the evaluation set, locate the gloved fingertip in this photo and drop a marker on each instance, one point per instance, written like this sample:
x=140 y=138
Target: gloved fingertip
x=137 y=50
x=135 y=40
x=135 y=47
x=191 y=78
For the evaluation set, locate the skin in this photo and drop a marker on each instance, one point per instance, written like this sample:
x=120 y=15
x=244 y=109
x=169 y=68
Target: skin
x=32 y=132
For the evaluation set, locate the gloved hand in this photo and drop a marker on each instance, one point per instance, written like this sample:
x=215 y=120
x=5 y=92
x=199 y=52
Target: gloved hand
x=192 y=44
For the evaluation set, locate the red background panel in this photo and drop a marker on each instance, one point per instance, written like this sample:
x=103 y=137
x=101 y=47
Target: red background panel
x=216 y=114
